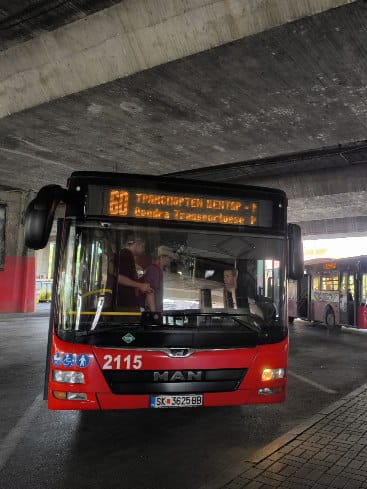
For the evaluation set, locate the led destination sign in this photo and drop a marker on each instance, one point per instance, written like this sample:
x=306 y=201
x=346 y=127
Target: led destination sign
x=184 y=207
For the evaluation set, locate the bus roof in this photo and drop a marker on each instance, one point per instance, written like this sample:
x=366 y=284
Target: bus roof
x=340 y=263
x=105 y=178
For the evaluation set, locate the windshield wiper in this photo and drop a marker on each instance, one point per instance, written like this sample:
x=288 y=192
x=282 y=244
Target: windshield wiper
x=254 y=325
x=147 y=319
x=248 y=321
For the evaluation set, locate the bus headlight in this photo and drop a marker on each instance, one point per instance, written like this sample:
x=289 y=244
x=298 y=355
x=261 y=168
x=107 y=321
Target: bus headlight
x=68 y=376
x=272 y=374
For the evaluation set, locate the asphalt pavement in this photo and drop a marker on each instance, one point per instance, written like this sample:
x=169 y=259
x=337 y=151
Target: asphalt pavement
x=186 y=448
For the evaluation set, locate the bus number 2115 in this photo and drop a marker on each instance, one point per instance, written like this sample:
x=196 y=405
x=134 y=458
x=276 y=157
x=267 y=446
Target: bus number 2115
x=130 y=362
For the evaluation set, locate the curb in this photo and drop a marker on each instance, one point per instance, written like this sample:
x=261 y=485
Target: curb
x=345 y=329
x=283 y=440
x=259 y=455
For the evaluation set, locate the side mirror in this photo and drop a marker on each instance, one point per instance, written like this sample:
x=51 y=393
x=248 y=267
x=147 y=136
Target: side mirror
x=295 y=252
x=39 y=215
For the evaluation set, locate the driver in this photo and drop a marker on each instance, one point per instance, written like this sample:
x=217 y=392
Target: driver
x=230 y=286
x=230 y=299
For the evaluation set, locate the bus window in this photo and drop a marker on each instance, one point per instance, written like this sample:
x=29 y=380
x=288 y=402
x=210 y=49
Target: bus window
x=364 y=289
x=316 y=283
x=271 y=279
x=329 y=282
x=260 y=277
x=351 y=291
x=347 y=286
x=343 y=285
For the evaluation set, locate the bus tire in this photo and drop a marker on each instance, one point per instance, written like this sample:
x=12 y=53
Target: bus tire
x=330 y=319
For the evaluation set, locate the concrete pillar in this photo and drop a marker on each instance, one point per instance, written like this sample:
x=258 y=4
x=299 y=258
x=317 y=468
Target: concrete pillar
x=17 y=274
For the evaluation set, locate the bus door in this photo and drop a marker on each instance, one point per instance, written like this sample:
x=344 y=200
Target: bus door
x=347 y=298
x=303 y=296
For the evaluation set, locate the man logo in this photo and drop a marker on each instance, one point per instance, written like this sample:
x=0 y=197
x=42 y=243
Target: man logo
x=178 y=376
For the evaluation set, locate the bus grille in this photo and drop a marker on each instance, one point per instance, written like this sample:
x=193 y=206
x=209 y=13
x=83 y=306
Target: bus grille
x=173 y=381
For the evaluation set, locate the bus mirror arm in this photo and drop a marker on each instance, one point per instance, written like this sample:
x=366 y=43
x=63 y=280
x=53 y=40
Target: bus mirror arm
x=39 y=215
x=295 y=252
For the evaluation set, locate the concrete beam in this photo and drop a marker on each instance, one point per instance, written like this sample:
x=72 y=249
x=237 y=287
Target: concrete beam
x=343 y=205
x=327 y=203
x=334 y=228
x=132 y=36
x=312 y=184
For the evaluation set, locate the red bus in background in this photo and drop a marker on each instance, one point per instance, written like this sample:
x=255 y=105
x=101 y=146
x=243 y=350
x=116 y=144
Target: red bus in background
x=337 y=292
x=210 y=329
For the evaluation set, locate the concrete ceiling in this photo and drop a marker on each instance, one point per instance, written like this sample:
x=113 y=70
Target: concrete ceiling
x=294 y=88
x=21 y=20
x=297 y=87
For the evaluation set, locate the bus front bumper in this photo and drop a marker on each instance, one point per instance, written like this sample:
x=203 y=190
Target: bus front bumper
x=106 y=401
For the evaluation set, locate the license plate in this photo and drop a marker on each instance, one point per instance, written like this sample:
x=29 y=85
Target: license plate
x=188 y=400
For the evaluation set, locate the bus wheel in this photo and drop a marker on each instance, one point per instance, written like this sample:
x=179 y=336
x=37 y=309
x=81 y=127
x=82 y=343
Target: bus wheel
x=330 y=320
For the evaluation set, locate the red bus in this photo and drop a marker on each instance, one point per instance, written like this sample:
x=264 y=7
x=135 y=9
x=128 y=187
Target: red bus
x=167 y=292
x=337 y=291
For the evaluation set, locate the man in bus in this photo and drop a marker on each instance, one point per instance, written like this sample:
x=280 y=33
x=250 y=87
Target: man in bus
x=230 y=285
x=130 y=291
x=232 y=297
x=235 y=292
x=154 y=276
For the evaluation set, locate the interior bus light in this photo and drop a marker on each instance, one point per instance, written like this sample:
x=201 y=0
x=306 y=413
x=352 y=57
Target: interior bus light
x=272 y=374
x=69 y=396
x=68 y=376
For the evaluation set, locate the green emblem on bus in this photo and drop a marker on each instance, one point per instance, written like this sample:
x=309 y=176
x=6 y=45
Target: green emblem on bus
x=128 y=338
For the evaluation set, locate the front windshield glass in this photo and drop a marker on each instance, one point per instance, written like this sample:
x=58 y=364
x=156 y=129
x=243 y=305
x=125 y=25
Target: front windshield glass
x=112 y=275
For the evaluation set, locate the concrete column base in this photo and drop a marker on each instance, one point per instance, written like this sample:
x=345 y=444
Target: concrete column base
x=17 y=284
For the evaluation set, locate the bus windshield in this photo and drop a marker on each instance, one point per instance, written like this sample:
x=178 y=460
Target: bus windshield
x=114 y=274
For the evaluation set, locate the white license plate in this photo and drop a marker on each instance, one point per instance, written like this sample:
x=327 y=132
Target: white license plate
x=188 y=400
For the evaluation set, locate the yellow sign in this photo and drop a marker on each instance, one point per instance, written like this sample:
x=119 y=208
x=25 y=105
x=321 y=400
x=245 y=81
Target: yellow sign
x=329 y=266
x=122 y=203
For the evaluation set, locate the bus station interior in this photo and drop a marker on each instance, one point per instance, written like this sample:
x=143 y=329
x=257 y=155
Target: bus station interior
x=264 y=93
